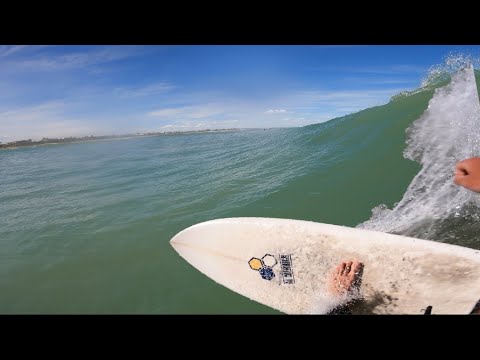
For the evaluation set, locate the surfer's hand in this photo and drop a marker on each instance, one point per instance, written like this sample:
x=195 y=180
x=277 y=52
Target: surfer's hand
x=467 y=174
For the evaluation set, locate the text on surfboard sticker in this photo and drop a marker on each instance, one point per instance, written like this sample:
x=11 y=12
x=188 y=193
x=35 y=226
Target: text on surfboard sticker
x=286 y=269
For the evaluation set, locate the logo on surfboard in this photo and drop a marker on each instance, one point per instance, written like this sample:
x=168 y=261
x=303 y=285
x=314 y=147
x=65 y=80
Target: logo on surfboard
x=265 y=265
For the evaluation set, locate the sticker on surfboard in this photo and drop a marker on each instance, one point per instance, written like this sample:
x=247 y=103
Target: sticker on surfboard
x=265 y=266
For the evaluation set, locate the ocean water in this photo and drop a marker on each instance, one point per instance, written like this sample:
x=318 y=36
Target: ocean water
x=85 y=227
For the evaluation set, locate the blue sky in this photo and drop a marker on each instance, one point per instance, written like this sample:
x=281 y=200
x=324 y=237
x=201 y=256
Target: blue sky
x=83 y=90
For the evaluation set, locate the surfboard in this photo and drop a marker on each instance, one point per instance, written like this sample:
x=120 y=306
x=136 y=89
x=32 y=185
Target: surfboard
x=286 y=265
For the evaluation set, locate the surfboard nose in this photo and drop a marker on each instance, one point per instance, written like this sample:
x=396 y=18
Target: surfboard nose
x=174 y=241
x=180 y=238
x=188 y=235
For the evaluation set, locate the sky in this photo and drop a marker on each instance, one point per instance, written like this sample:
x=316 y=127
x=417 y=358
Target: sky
x=59 y=91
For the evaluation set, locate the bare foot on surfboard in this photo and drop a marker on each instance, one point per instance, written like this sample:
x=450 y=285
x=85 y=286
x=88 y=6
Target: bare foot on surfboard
x=346 y=279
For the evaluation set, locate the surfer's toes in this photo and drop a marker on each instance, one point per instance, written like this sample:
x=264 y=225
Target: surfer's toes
x=348 y=267
x=355 y=274
x=345 y=278
x=340 y=269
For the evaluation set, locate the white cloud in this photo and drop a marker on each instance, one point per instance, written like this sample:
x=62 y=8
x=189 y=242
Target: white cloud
x=379 y=81
x=149 y=90
x=190 y=112
x=179 y=110
x=44 y=120
x=308 y=107
x=385 y=70
x=275 y=111
x=395 y=69
x=304 y=107
x=336 y=99
x=337 y=46
x=191 y=125
x=21 y=114
x=76 y=60
x=315 y=106
x=7 y=50
x=165 y=113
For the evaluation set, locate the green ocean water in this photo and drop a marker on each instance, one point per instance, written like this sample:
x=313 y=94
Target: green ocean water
x=85 y=227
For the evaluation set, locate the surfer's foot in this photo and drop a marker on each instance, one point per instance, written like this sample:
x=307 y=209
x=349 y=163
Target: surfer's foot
x=346 y=279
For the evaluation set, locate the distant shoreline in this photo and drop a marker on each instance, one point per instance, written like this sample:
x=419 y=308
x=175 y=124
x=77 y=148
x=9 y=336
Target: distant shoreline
x=67 y=140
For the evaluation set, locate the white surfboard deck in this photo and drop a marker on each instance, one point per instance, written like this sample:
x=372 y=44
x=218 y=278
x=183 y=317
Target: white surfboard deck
x=402 y=275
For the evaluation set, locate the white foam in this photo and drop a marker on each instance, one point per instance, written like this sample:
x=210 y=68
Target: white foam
x=447 y=132
x=452 y=63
